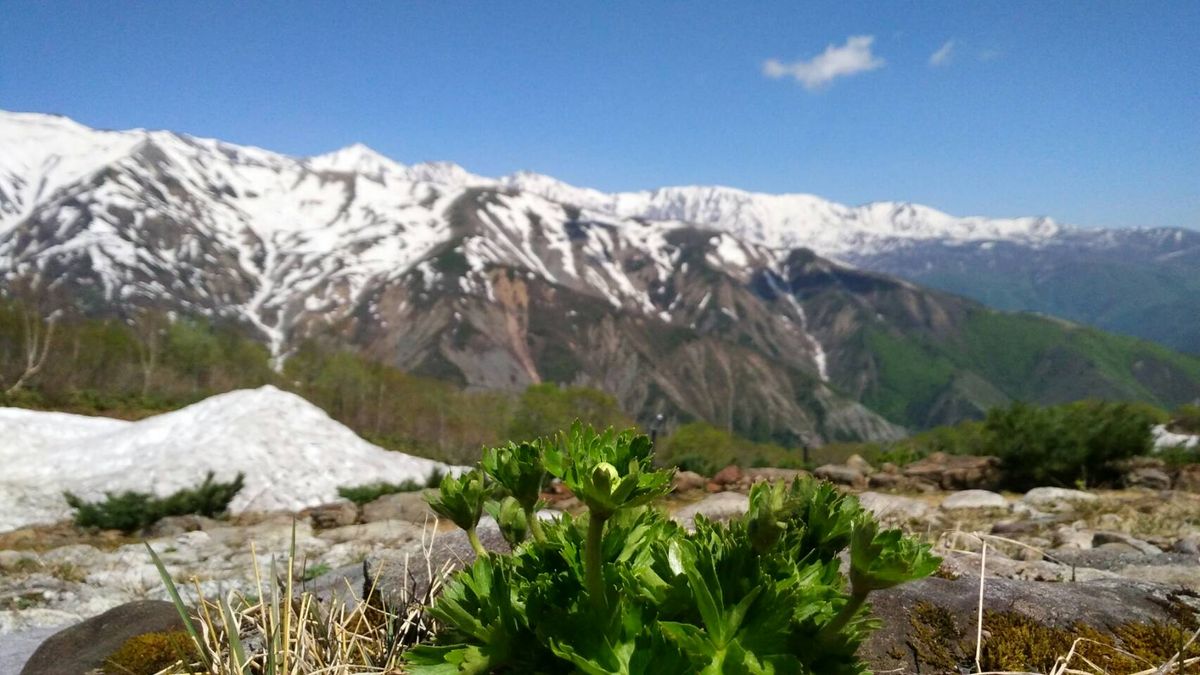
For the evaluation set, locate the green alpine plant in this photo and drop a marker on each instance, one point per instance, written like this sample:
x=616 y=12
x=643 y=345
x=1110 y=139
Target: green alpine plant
x=460 y=499
x=518 y=469
x=626 y=591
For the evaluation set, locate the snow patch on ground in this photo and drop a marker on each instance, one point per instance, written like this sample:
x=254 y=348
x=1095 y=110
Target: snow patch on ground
x=292 y=453
x=1164 y=439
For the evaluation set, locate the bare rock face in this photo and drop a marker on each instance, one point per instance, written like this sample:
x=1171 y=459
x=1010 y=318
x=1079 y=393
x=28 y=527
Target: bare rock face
x=956 y=472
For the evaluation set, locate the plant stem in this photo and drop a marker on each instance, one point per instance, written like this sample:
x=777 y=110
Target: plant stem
x=595 y=541
x=535 y=526
x=475 y=544
x=848 y=611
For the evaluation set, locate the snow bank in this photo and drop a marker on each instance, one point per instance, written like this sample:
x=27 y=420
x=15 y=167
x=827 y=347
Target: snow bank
x=1164 y=439
x=293 y=454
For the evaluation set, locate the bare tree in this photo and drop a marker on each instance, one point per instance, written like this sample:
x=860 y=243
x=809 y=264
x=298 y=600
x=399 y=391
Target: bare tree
x=37 y=335
x=150 y=327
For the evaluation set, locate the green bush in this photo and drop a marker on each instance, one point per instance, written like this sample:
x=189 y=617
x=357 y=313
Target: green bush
x=364 y=494
x=131 y=511
x=705 y=449
x=1186 y=419
x=1074 y=444
x=625 y=590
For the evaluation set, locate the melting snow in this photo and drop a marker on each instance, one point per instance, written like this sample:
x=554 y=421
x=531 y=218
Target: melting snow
x=293 y=454
x=1164 y=439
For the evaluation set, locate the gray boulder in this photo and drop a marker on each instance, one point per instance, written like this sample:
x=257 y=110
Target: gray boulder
x=895 y=508
x=337 y=514
x=1104 y=538
x=409 y=506
x=929 y=625
x=842 y=475
x=1057 y=499
x=718 y=506
x=399 y=576
x=86 y=646
x=974 y=500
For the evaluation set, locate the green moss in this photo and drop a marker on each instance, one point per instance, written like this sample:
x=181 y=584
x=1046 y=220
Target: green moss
x=150 y=653
x=1014 y=642
x=935 y=639
x=1018 y=643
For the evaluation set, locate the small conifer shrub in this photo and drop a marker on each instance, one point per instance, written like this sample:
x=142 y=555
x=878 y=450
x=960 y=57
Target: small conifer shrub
x=131 y=511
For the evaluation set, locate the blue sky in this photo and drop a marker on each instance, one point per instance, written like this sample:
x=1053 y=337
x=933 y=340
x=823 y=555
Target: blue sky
x=1088 y=112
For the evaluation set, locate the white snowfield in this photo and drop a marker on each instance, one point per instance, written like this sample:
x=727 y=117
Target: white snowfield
x=1164 y=439
x=292 y=454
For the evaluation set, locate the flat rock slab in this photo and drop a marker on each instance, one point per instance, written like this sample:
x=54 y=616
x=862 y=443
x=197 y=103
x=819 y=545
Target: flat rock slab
x=86 y=645
x=929 y=626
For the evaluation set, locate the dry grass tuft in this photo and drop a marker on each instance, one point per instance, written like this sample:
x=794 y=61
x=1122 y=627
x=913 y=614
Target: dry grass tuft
x=272 y=635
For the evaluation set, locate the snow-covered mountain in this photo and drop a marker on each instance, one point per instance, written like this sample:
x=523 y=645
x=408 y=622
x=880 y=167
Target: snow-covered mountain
x=701 y=302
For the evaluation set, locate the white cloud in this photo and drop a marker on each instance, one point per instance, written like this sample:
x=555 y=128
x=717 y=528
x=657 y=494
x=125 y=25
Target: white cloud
x=942 y=56
x=853 y=57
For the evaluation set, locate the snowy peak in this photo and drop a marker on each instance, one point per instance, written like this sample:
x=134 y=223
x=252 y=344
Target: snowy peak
x=44 y=152
x=356 y=158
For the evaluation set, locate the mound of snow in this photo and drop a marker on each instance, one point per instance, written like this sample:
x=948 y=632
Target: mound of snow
x=1164 y=438
x=293 y=455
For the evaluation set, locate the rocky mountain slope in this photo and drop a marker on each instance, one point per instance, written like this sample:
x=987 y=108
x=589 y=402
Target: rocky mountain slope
x=670 y=300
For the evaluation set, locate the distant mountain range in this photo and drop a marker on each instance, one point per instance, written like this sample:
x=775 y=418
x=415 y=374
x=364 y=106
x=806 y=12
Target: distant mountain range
x=705 y=303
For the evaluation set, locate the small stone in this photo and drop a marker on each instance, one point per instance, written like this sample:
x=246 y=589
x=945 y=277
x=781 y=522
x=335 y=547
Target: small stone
x=1070 y=537
x=859 y=464
x=974 y=499
x=1188 y=545
x=771 y=475
x=1187 y=478
x=173 y=525
x=894 y=507
x=842 y=475
x=720 y=506
x=888 y=480
x=1149 y=478
x=337 y=514
x=730 y=475
x=1057 y=499
x=688 y=481
x=1102 y=539
x=406 y=506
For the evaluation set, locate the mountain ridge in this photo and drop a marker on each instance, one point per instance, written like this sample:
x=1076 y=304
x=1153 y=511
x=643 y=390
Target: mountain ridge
x=441 y=272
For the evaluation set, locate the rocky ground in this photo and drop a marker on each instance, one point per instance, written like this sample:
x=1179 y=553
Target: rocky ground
x=1060 y=558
